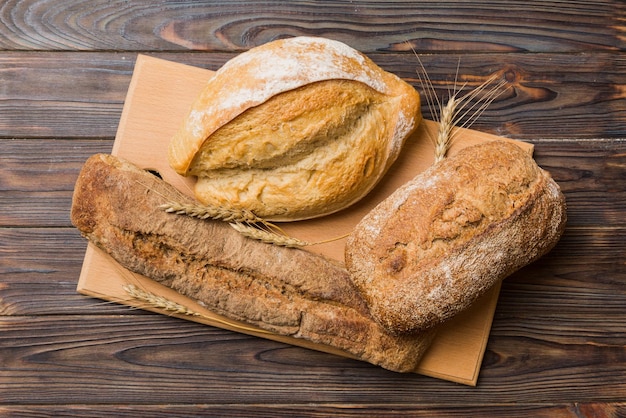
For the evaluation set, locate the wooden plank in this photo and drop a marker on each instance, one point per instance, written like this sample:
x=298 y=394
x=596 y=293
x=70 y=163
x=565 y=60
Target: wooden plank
x=557 y=343
x=548 y=26
x=536 y=410
x=562 y=96
x=591 y=174
x=38 y=273
x=62 y=95
x=37 y=179
x=120 y=359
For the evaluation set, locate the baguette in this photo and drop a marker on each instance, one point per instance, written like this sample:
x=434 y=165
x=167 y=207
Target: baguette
x=443 y=239
x=294 y=129
x=283 y=290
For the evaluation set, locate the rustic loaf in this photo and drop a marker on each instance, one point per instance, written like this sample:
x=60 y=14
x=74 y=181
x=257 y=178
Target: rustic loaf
x=283 y=290
x=443 y=239
x=293 y=129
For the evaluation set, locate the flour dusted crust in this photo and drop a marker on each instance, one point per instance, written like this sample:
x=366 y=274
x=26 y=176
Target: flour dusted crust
x=294 y=129
x=442 y=240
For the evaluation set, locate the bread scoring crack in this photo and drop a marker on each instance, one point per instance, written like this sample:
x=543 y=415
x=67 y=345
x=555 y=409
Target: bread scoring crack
x=326 y=150
x=284 y=130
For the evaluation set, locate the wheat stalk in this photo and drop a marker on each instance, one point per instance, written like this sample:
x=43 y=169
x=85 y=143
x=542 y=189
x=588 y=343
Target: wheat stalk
x=160 y=302
x=196 y=210
x=444 y=131
x=243 y=221
x=268 y=236
x=157 y=301
x=444 y=115
x=281 y=239
x=467 y=108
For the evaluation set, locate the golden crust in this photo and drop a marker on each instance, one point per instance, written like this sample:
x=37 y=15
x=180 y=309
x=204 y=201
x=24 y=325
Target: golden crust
x=295 y=128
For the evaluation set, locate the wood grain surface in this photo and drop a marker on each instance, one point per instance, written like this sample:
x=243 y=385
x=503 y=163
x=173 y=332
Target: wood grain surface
x=558 y=341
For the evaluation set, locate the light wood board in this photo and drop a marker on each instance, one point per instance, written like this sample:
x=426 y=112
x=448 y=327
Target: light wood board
x=158 y=99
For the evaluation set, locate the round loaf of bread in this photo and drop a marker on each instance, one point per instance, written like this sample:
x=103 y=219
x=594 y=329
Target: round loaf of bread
x=294 y=129
x=442 y=240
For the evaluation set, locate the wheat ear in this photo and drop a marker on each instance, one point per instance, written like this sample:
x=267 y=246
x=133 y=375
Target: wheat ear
x=243 y=221
x=467 y=108
x=442 y=114
x=233 y=216
x=197 y=210
x=444 y=131
x=470 y=113
x=270 y=236
x=157 y=301
x=209 y=212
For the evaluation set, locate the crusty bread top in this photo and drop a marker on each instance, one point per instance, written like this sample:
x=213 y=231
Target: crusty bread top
x=454 y=201
x=287 y=291
x=113 y=195
x=443 y=239
x=255 y=76
x=294 y=129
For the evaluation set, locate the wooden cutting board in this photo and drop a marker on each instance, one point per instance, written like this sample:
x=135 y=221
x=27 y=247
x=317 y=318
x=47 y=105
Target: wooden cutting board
x=159 y=97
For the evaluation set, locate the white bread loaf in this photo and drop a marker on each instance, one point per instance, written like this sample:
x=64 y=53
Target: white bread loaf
x=294 y=129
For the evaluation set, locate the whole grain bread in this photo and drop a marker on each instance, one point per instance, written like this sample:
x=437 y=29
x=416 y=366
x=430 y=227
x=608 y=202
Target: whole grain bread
x=283 y=290
x=293 y=129
x=442 y=240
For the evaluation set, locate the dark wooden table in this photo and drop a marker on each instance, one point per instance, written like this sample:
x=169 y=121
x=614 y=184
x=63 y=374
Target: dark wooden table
x=558 y=343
